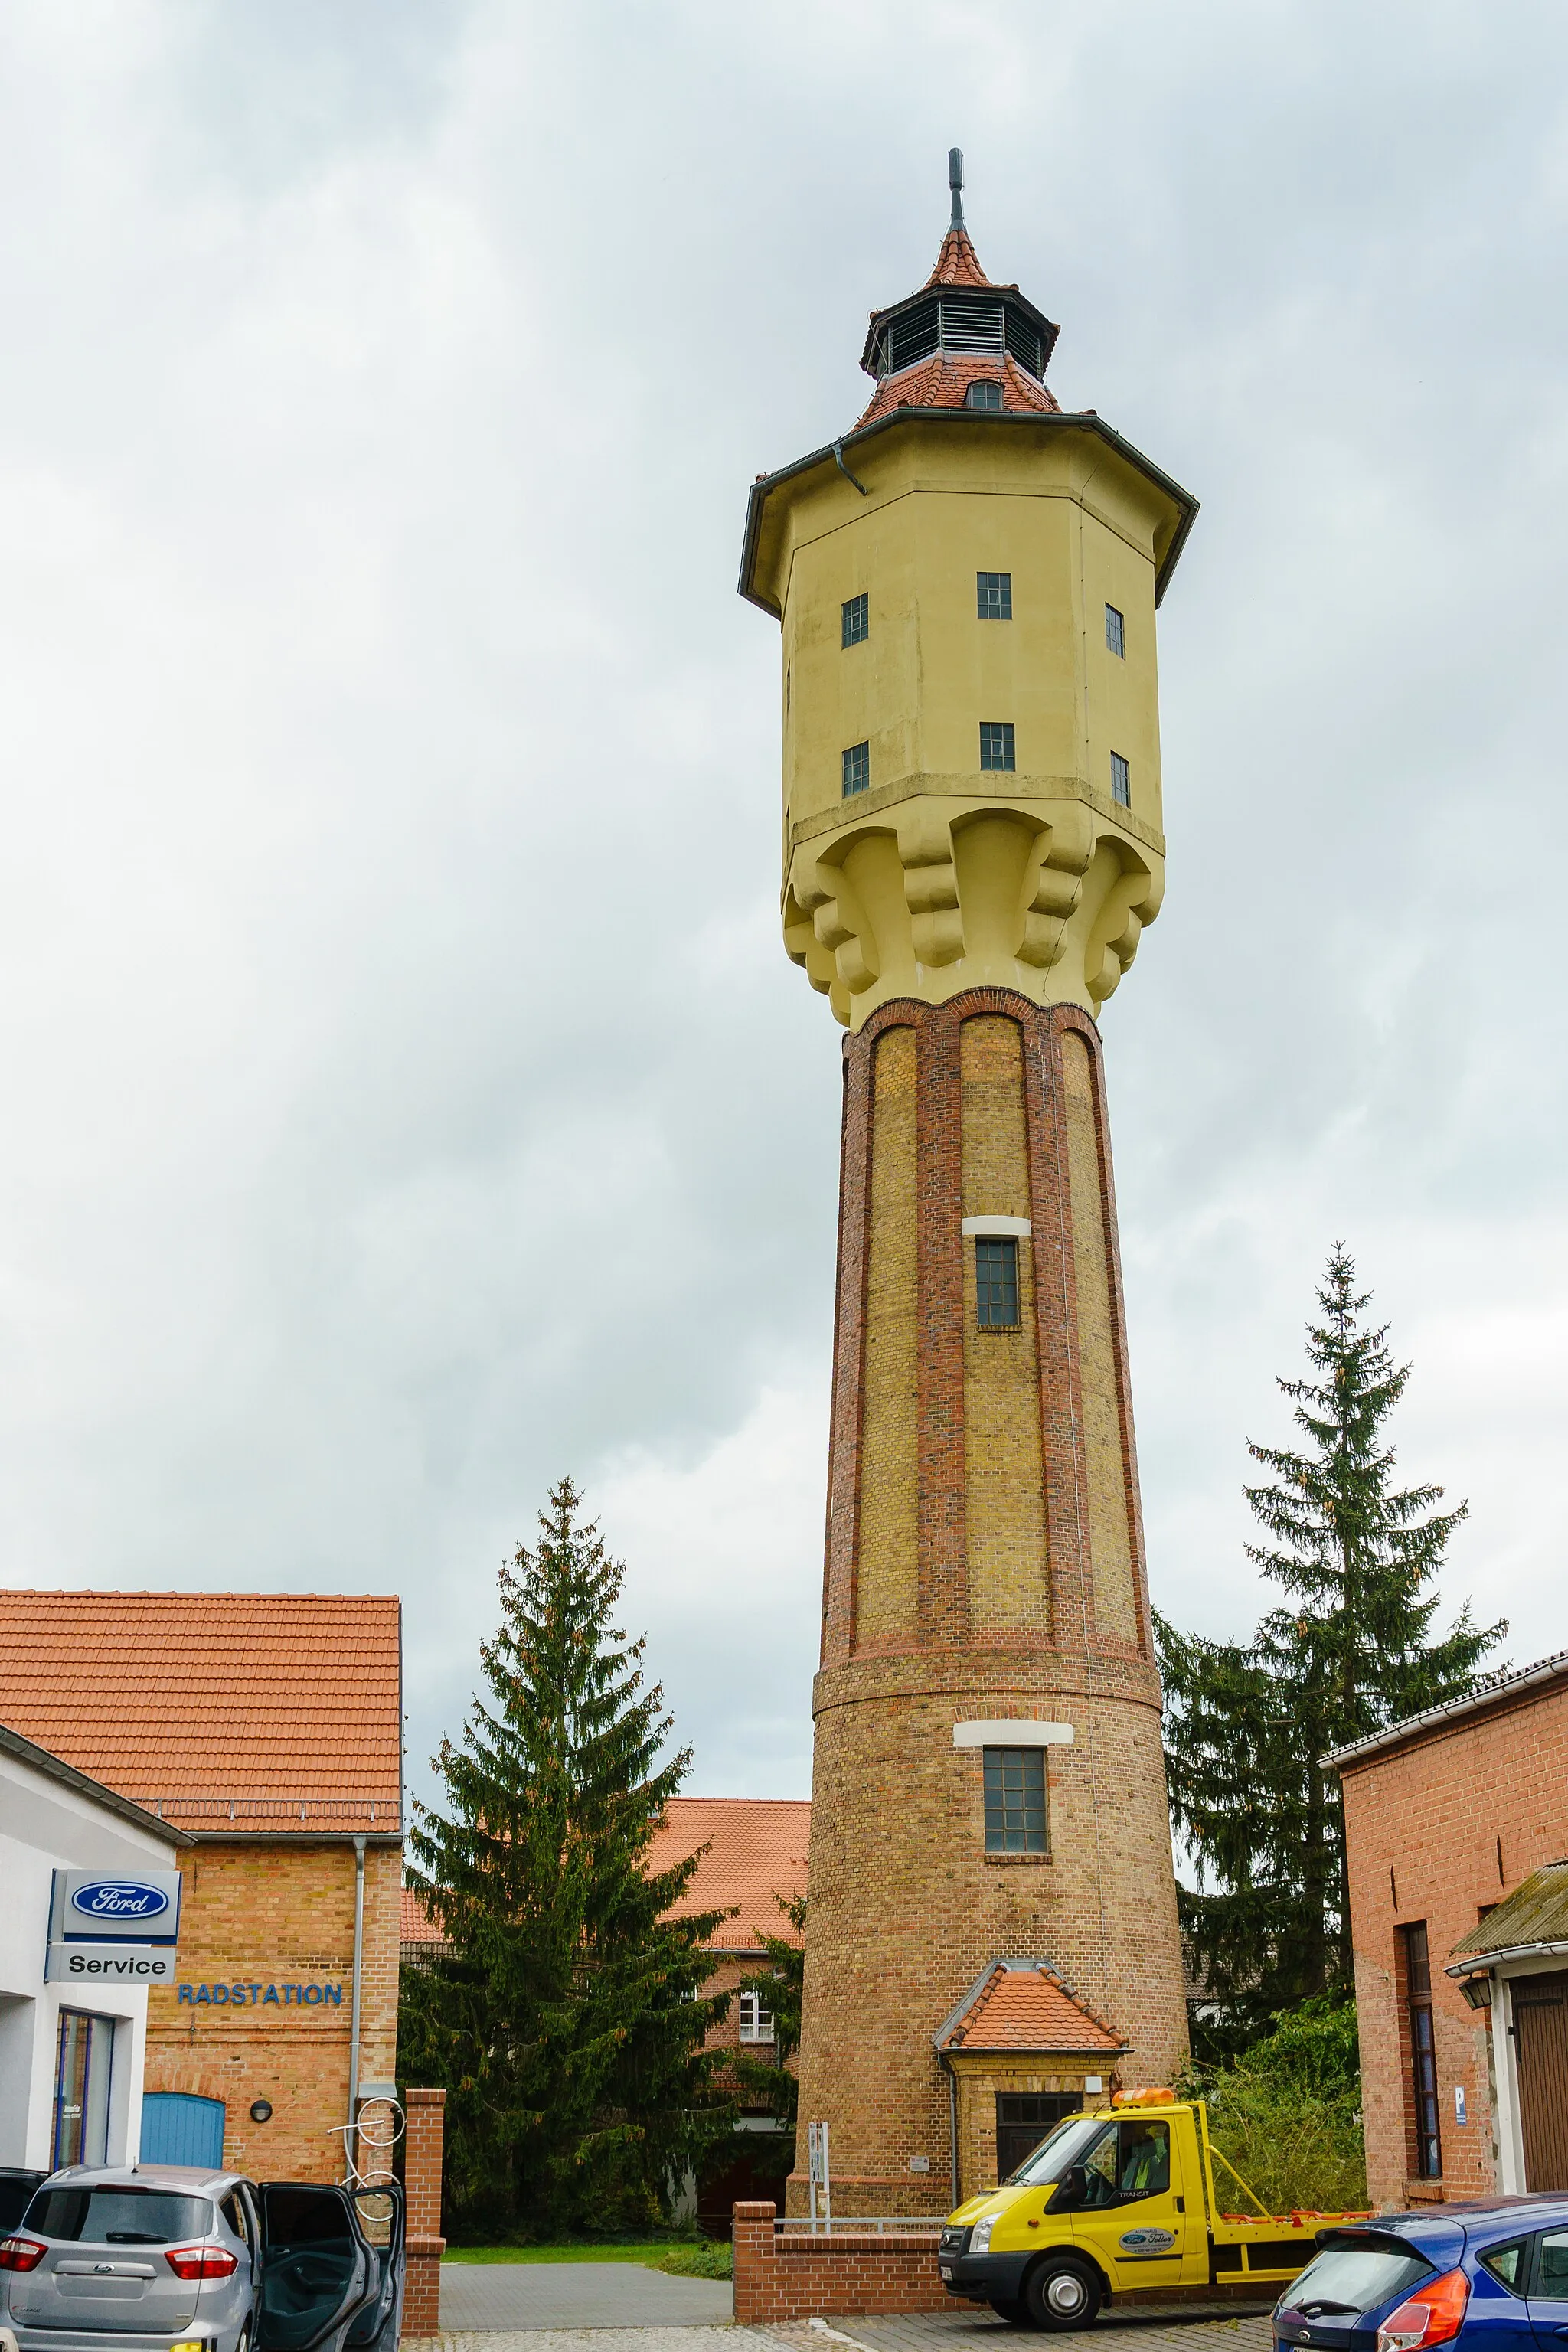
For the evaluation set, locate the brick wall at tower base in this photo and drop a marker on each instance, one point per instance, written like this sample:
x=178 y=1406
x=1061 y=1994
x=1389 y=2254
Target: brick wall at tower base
x=788 y=2275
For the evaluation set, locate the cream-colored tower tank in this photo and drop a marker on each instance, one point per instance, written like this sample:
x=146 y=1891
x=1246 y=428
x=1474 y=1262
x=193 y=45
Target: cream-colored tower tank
x=973 y=843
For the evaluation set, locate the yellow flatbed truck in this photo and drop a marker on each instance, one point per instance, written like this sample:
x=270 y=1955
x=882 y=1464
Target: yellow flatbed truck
x=1120 y=2203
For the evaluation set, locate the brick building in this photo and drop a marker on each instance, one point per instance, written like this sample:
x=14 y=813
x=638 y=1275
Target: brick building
x=966 y=586
x=268 y=1727
x=1456 y=1830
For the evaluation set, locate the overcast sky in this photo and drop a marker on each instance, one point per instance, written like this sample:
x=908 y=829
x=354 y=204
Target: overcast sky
x=409 y=1098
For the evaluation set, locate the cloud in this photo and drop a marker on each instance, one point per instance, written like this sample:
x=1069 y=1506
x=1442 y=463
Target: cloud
x=408 y=1098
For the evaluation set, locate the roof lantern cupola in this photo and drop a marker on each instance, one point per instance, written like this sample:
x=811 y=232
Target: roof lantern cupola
x=961 y=341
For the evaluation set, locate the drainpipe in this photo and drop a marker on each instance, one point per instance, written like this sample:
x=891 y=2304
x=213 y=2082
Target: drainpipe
x=353 y=2011
x=839 y=461
x=952 y=2127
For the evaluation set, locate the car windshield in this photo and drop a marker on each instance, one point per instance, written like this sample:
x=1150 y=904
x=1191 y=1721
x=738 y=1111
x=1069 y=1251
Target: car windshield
x=1356 y=2278
x=1066 y=2146
x=118 y=2217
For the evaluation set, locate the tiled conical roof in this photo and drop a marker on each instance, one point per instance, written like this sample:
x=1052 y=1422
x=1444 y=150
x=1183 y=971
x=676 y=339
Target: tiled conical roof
x=957 y=264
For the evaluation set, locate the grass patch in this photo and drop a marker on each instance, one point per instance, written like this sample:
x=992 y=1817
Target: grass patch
x=647 y=2250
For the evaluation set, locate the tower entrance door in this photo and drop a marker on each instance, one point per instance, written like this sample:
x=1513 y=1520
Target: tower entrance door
x=1023 y=2119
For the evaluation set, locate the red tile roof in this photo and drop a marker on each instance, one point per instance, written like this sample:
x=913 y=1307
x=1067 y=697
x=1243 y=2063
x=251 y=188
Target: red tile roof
x=757 y=1849
x=415 y=1925
x=942 y=381
x=958 y=264
x=271 y=1712
x=1024 y=2006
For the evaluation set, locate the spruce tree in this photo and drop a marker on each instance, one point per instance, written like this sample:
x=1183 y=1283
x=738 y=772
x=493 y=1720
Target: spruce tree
x=565 y=2014
x=1349 y=1651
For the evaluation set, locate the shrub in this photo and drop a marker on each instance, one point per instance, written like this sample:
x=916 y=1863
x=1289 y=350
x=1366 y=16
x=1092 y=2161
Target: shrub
x=1287 y=2113
x=708 y=2260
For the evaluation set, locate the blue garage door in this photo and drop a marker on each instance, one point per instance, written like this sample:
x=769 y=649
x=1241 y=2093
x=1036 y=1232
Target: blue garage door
x=178 y=2129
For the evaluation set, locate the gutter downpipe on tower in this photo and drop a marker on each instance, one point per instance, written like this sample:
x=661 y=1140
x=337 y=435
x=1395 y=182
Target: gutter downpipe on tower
x=354 y=2010
x=839 y=461
x=952 y=2127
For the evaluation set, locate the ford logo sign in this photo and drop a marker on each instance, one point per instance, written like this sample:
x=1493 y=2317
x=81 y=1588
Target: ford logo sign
x=1145 y=2241
x=119 y=1898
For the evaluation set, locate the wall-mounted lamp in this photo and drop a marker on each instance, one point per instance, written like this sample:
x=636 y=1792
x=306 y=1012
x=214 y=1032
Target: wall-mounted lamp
x=1478 y=1991
x=261 y=2111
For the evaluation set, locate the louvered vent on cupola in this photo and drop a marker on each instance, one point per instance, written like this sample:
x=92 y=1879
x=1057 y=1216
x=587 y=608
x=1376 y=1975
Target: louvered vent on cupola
x=958 y=320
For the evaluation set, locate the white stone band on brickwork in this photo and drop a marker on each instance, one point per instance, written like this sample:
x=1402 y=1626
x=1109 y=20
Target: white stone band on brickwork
x=1012 y=1731
x=996 y=1225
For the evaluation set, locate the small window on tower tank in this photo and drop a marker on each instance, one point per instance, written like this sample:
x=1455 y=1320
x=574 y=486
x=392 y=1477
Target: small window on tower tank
x=857 y=621
x=857 y=768
x=1115 y=632
x=986 y=391
x=1120 y=780
x=996 y=743
x=993 y=595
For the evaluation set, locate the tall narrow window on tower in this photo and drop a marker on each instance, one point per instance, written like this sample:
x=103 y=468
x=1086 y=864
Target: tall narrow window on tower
x=993 y=595
x=1116 y=632
x=996 y=743
x=1422 y=2052
x=857 y=768
x=1120 y=780
x=1015 y=1800
x=856 y=620
x=996 y=1282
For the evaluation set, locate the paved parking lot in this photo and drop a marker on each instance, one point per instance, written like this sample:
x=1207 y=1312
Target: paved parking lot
x=490 y=2299
x=581 y=2307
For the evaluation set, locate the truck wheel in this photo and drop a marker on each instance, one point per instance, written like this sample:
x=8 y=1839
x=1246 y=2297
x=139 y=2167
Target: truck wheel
x=1062 y=2293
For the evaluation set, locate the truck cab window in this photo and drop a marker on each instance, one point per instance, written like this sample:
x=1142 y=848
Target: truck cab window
x=1127 y=2162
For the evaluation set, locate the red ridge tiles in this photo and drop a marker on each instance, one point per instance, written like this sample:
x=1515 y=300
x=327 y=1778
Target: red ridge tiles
x=223 y=1711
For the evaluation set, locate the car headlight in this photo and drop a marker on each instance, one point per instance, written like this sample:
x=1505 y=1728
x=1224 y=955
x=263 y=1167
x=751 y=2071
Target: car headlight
x=980 y=2240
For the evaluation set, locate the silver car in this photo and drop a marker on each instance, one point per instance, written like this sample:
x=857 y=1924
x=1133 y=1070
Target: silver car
x=174 y=2258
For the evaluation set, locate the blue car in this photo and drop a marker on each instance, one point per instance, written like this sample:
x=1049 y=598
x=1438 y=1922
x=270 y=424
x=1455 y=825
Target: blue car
x=1487 y=2278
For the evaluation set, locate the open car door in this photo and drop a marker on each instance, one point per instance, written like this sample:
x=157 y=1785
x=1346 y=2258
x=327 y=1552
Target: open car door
x=318 y=2275
x=379 y=2213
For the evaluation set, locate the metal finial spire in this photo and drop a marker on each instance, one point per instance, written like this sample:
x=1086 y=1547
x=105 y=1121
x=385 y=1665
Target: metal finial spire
x=955 y=182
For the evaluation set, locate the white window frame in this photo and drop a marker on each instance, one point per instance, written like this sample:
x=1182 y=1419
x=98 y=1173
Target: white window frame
x=756 y=2023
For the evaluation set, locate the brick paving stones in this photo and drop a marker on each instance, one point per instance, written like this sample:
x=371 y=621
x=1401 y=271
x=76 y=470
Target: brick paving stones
x=965 y=2331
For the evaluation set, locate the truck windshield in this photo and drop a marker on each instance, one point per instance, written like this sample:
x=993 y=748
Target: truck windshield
x=1066 y=2146
x=1356 y=2278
